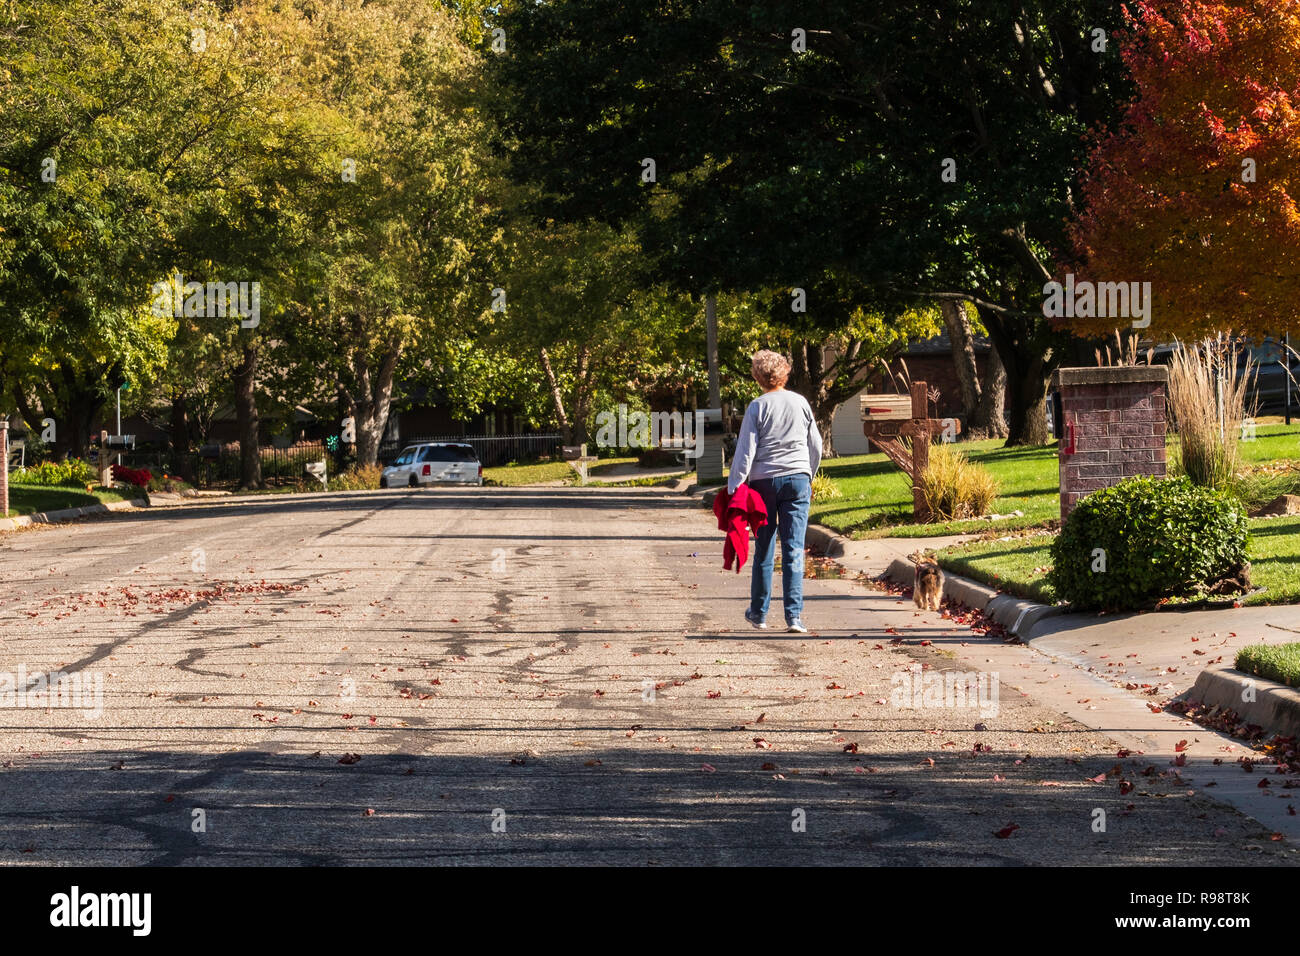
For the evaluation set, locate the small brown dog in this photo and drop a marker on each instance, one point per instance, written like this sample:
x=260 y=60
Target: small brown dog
x=927 y=589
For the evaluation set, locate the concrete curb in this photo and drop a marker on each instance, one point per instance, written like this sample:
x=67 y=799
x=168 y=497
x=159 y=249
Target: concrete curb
x=69 y=514
x=706 y=493
x=1276 y=707
x=824 y=540
x=1017 y=615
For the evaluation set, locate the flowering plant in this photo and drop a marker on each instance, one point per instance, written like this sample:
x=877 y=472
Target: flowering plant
x=132 y=476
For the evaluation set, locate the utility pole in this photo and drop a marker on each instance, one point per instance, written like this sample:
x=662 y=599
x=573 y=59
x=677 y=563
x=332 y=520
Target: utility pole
x=4 y=465
x=708 y=466
x=1285 y=359
x=711 y=336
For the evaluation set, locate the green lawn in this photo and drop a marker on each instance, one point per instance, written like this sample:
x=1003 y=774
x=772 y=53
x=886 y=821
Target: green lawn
x=1274 y=554
x=598 y=468
x=1271 y=443
x=1279 y=662
x=1018 y=566
x=876 y=497
x=31 y=499
x=649 y=481
x=512 y=474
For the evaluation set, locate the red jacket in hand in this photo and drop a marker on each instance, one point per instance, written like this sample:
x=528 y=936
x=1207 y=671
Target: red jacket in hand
x=736 y=515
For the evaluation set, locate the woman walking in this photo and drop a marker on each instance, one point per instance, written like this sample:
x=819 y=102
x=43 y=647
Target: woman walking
x=777 y=453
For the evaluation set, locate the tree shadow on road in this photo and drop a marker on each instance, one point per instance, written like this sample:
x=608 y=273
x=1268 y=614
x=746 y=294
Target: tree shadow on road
x=633 y=805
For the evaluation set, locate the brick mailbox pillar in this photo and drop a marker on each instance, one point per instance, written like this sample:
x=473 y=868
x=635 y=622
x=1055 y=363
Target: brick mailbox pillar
x=1113 y=427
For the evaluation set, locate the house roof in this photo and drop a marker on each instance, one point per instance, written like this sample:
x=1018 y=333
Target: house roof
x=941 y=344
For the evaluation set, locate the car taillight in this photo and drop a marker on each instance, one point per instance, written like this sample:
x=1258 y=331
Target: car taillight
x=426 y=471
x=480 y=469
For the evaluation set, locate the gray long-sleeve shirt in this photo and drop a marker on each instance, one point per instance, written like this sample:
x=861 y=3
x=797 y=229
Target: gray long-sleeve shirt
x=778 y=437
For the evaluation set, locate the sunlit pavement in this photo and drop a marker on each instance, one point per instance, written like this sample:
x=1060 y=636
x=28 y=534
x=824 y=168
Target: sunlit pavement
x=554 y=675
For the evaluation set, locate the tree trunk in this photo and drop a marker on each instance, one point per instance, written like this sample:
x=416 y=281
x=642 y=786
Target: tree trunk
x=992 y=412
x=1028 y=365
x=711 y=349
x=347 y=409
x=581 y=396
x=78 y=401
x=822 y=402
x=371 y=405
x=808 y=377
x=963 y=359
x=74 y=433
x=31 y=416
x=180 y=436
x=824 y=416
x=557 y=399
x=250 y=452
x=1027 y=416
x=1033 y=390
x=800 y=380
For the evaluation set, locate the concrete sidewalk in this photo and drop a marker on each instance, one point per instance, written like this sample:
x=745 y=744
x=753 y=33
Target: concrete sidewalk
x=1116 y=673
x=1165 y=649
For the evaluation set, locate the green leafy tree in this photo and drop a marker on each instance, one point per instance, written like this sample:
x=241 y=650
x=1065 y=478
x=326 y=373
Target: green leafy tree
x=94 y=163
x=567 y=306
x=251 y=226
x=399 y=228
x=791 y=143
x=125 y=127
x=846 y=331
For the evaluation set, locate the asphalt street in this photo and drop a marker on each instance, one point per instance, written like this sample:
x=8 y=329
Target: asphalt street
x=496 y=675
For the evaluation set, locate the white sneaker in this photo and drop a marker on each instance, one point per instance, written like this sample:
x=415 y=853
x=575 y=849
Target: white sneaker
x=796 y=627
x=756 y=621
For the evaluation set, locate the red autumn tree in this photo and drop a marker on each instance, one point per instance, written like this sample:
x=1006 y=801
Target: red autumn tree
x=1195 y=191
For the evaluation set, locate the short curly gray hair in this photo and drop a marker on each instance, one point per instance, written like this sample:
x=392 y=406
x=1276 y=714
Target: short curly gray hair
x=771 y=369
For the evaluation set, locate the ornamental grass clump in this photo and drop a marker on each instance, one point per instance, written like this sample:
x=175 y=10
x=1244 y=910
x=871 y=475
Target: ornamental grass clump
x=1207 y=405
x=953 y=487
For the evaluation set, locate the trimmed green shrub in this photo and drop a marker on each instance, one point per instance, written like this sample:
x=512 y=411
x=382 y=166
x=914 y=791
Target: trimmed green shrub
x=167 y=483
x=73 y=473
x=1127 y=546
x=356 y=478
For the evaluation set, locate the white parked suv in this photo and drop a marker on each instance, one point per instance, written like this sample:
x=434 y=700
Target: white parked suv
x=433 y=463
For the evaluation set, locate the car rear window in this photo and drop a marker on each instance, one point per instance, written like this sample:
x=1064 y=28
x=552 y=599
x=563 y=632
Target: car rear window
x=449 y=453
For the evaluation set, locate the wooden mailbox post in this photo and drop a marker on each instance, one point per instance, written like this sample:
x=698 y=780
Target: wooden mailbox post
x=888 y=419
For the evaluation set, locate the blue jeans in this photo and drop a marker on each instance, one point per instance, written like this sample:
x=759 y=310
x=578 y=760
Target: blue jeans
x=787 y=498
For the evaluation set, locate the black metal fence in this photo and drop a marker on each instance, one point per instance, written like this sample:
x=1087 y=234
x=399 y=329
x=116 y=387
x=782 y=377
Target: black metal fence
x=492 y=450
x=219 y=466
